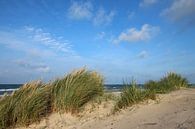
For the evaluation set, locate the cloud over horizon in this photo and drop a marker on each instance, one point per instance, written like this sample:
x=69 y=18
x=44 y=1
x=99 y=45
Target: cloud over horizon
x=39 y=67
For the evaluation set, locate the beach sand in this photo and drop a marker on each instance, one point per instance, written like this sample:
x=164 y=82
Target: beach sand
x=175 y=110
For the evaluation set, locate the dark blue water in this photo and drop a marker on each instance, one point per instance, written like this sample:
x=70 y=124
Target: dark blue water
x=117 y=87
x=8 y=88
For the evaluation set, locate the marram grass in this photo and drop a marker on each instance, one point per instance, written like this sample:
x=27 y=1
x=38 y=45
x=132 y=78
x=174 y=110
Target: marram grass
x=132 y=94
x=36 y=100
x=170 y=82
x=28 y=104
x=33 y=104
x=76 y=89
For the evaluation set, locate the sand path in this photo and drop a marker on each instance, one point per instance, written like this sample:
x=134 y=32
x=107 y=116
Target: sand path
x=175 y=111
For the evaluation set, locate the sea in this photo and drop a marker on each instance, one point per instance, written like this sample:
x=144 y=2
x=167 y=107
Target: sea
x=9 y=88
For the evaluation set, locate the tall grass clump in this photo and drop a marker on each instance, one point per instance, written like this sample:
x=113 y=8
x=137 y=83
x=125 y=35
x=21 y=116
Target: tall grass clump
x=151 y=85
x=29 y=104
x=76 y=89
x=5 y=113
x=132 y=94
x=35 y=100
x=172 y=81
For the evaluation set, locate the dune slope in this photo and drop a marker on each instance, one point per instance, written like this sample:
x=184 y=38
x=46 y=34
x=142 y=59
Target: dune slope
x=175 y=110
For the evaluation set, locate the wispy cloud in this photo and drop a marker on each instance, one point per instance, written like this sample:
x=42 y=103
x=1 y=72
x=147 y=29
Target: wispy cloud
x=103 y=18
x=85 y=11
x=181 y=11
x=39 y=67
x=143 y=55
x=80 y=10
x=29 y=40
x=146 y=3
x=50 y=41
x=12 y=41
x=100 y=35
x=134 y=35
x=35 y=47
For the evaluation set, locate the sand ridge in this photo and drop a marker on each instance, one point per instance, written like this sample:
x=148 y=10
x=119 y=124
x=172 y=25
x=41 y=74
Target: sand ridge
x=175 y=110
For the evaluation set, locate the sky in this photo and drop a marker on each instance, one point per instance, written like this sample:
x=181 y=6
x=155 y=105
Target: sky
x=121 y=39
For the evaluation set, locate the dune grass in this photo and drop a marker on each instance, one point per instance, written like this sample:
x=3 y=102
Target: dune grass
x=76 y=89
x=29 y=104
x=36 y=100
x=5 y=113
x=132 y=94
x=171 y=82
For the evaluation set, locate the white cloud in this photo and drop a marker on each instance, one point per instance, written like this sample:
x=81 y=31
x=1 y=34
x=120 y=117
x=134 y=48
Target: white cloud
x=80 y=10
x=56 y=44
x=135 y=35
x=36 y=55
x=85 y=11
x=21 y=44
x=180 y=10
x=39 y=67
x=103 y=18
x=143 y=54
x=146 y=3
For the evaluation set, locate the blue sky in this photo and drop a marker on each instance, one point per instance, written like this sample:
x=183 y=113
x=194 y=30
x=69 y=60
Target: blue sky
x=121 y=39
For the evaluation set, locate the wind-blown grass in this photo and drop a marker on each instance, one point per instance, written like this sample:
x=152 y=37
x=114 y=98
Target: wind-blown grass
x=170 y=82
x=5 y=113
x=33 y=104
x=76 y=89
x=30 y=103
x=36 y=100
x=132 y=94
x=151 y=85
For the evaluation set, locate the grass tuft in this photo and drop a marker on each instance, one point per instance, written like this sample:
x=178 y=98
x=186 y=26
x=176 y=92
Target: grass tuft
x=29 y=104
x=35 y=100
x=132 y=94
x=170 y=82
x=76 y=89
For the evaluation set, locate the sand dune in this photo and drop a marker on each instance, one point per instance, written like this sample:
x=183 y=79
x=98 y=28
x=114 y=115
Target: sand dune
x=175 y=110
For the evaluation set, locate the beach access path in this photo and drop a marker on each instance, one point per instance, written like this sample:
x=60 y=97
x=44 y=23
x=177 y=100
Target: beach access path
x=175 y=110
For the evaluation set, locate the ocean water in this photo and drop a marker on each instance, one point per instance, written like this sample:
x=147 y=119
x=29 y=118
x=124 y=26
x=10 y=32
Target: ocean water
x=117 y=87
x=9 y=88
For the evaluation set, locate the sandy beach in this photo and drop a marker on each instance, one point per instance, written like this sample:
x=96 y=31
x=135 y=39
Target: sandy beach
x=175 y=110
